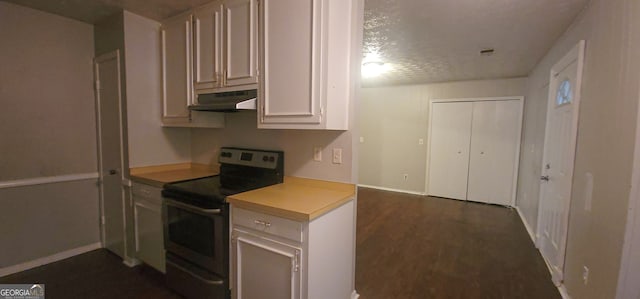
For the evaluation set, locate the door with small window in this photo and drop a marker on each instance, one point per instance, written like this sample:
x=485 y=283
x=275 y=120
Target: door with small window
x=264 y=268
x=558 y=159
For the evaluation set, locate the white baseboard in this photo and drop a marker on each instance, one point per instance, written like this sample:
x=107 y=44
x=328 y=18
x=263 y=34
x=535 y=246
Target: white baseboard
x=563 y=292
x=355 y=295
x=391 y=189
x=526 y=225
x=49 y=259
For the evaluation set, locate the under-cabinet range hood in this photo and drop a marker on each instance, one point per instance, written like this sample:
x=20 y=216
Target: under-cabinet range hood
x=230 y=101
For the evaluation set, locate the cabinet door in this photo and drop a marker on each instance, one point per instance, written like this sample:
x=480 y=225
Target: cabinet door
x=241 y=39
x=207 y=39
x=148 y=234
x=264 y=269
x=449 y=149
x=494 y=151
x=177 y=84
x=291 y=65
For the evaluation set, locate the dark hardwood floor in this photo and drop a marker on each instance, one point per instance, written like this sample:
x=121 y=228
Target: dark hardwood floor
x=408 y=246
x=411 y=246
x=96 y=274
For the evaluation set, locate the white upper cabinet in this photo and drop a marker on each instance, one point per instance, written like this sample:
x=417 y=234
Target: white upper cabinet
x=177 y=83
x=307 y=54
x=207 y=39
x=241 y=36
x=225 y=42
x=179 y=78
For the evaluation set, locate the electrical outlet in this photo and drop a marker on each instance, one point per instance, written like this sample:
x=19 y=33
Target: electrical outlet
x=361 y=139
x=585 y=274
x=406 y=176
x=420 y=141
x=317 y=154
x=337 y=156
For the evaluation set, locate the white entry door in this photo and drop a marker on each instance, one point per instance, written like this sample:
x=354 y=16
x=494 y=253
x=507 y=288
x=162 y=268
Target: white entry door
x=449 y=149
x=558 y=159
x=107 y=75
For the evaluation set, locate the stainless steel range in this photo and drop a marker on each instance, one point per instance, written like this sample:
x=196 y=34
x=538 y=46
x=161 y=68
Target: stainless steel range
x=196 y=220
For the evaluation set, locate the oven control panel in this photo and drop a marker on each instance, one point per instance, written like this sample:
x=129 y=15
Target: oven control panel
x=253 y=158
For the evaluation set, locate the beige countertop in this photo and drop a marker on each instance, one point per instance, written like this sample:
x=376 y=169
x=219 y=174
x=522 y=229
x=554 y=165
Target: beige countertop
x=162 y=174
x=297 y=198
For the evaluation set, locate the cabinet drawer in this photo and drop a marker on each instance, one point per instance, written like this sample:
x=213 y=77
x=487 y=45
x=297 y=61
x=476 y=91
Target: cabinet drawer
x=150 y=193
x=274 y=225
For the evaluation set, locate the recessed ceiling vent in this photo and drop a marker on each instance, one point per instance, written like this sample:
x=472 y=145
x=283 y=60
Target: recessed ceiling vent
x=487 y=51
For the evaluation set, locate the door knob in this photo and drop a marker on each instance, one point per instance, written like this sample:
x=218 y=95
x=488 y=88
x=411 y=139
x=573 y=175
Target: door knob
x=112 y=171
x=544 y=178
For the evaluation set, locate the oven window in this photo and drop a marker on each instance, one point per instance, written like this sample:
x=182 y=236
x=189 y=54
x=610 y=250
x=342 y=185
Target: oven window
x=192 y=231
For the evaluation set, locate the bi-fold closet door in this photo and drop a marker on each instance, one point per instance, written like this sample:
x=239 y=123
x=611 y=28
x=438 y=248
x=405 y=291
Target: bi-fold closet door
x=474 y=150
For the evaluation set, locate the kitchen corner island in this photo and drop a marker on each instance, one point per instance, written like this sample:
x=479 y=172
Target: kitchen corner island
x=294 y=240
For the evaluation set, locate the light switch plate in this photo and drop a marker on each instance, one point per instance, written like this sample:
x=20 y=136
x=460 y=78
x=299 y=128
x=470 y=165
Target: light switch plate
x=337 y=156
x=317 y=154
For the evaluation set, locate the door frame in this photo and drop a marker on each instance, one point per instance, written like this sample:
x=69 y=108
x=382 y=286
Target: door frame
x=101 y=58
x=576 y=53
x=516 y=165
x=630 y=263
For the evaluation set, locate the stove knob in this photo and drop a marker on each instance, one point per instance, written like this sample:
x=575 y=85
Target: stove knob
x=265 y=158
x=272 y=159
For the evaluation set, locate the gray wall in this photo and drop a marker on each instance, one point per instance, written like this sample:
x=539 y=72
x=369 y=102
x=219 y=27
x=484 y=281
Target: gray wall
x=392 y=120
x=149 y=143
x=241 y=131
x=606 y=136
x=47 y=128
x=43 y=220
x=47 y=121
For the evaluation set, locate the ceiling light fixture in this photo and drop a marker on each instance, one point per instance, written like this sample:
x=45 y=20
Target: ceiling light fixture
x=373 y=69
x=373 y=65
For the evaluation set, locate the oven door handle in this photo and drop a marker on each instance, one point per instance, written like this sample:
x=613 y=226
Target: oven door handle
x=192 y=208
x=185 y=270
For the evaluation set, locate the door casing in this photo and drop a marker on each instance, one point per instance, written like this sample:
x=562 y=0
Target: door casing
x=102 y=169
x=519 y=138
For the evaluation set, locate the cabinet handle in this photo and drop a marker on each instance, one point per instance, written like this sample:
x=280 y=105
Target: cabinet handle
x=262 y=222
x=224 y=78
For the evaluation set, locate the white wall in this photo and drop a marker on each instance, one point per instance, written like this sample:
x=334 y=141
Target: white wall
x=606 y=134
x=149 y=143
x=47 y=128
x=392 y=120
x=241 y=131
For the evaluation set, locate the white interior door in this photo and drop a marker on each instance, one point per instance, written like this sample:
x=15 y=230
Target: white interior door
x=558 y=159
x=495 y=140
x=449 y=149
x=107 y=75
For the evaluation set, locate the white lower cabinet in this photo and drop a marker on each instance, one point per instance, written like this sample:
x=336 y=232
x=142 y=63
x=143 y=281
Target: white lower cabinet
x=279 y=258
x=149 y=240
x=265 y=268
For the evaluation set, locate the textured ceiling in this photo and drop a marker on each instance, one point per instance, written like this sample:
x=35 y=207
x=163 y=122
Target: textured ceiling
x=421 y=41
x=92 y=11
x=425 y=41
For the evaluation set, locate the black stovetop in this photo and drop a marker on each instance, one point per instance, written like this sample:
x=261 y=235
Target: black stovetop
x=204 y=192
x=240 y=170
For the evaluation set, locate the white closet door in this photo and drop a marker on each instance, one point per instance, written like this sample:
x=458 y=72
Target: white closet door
x=449 y=149
x=494 y=150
